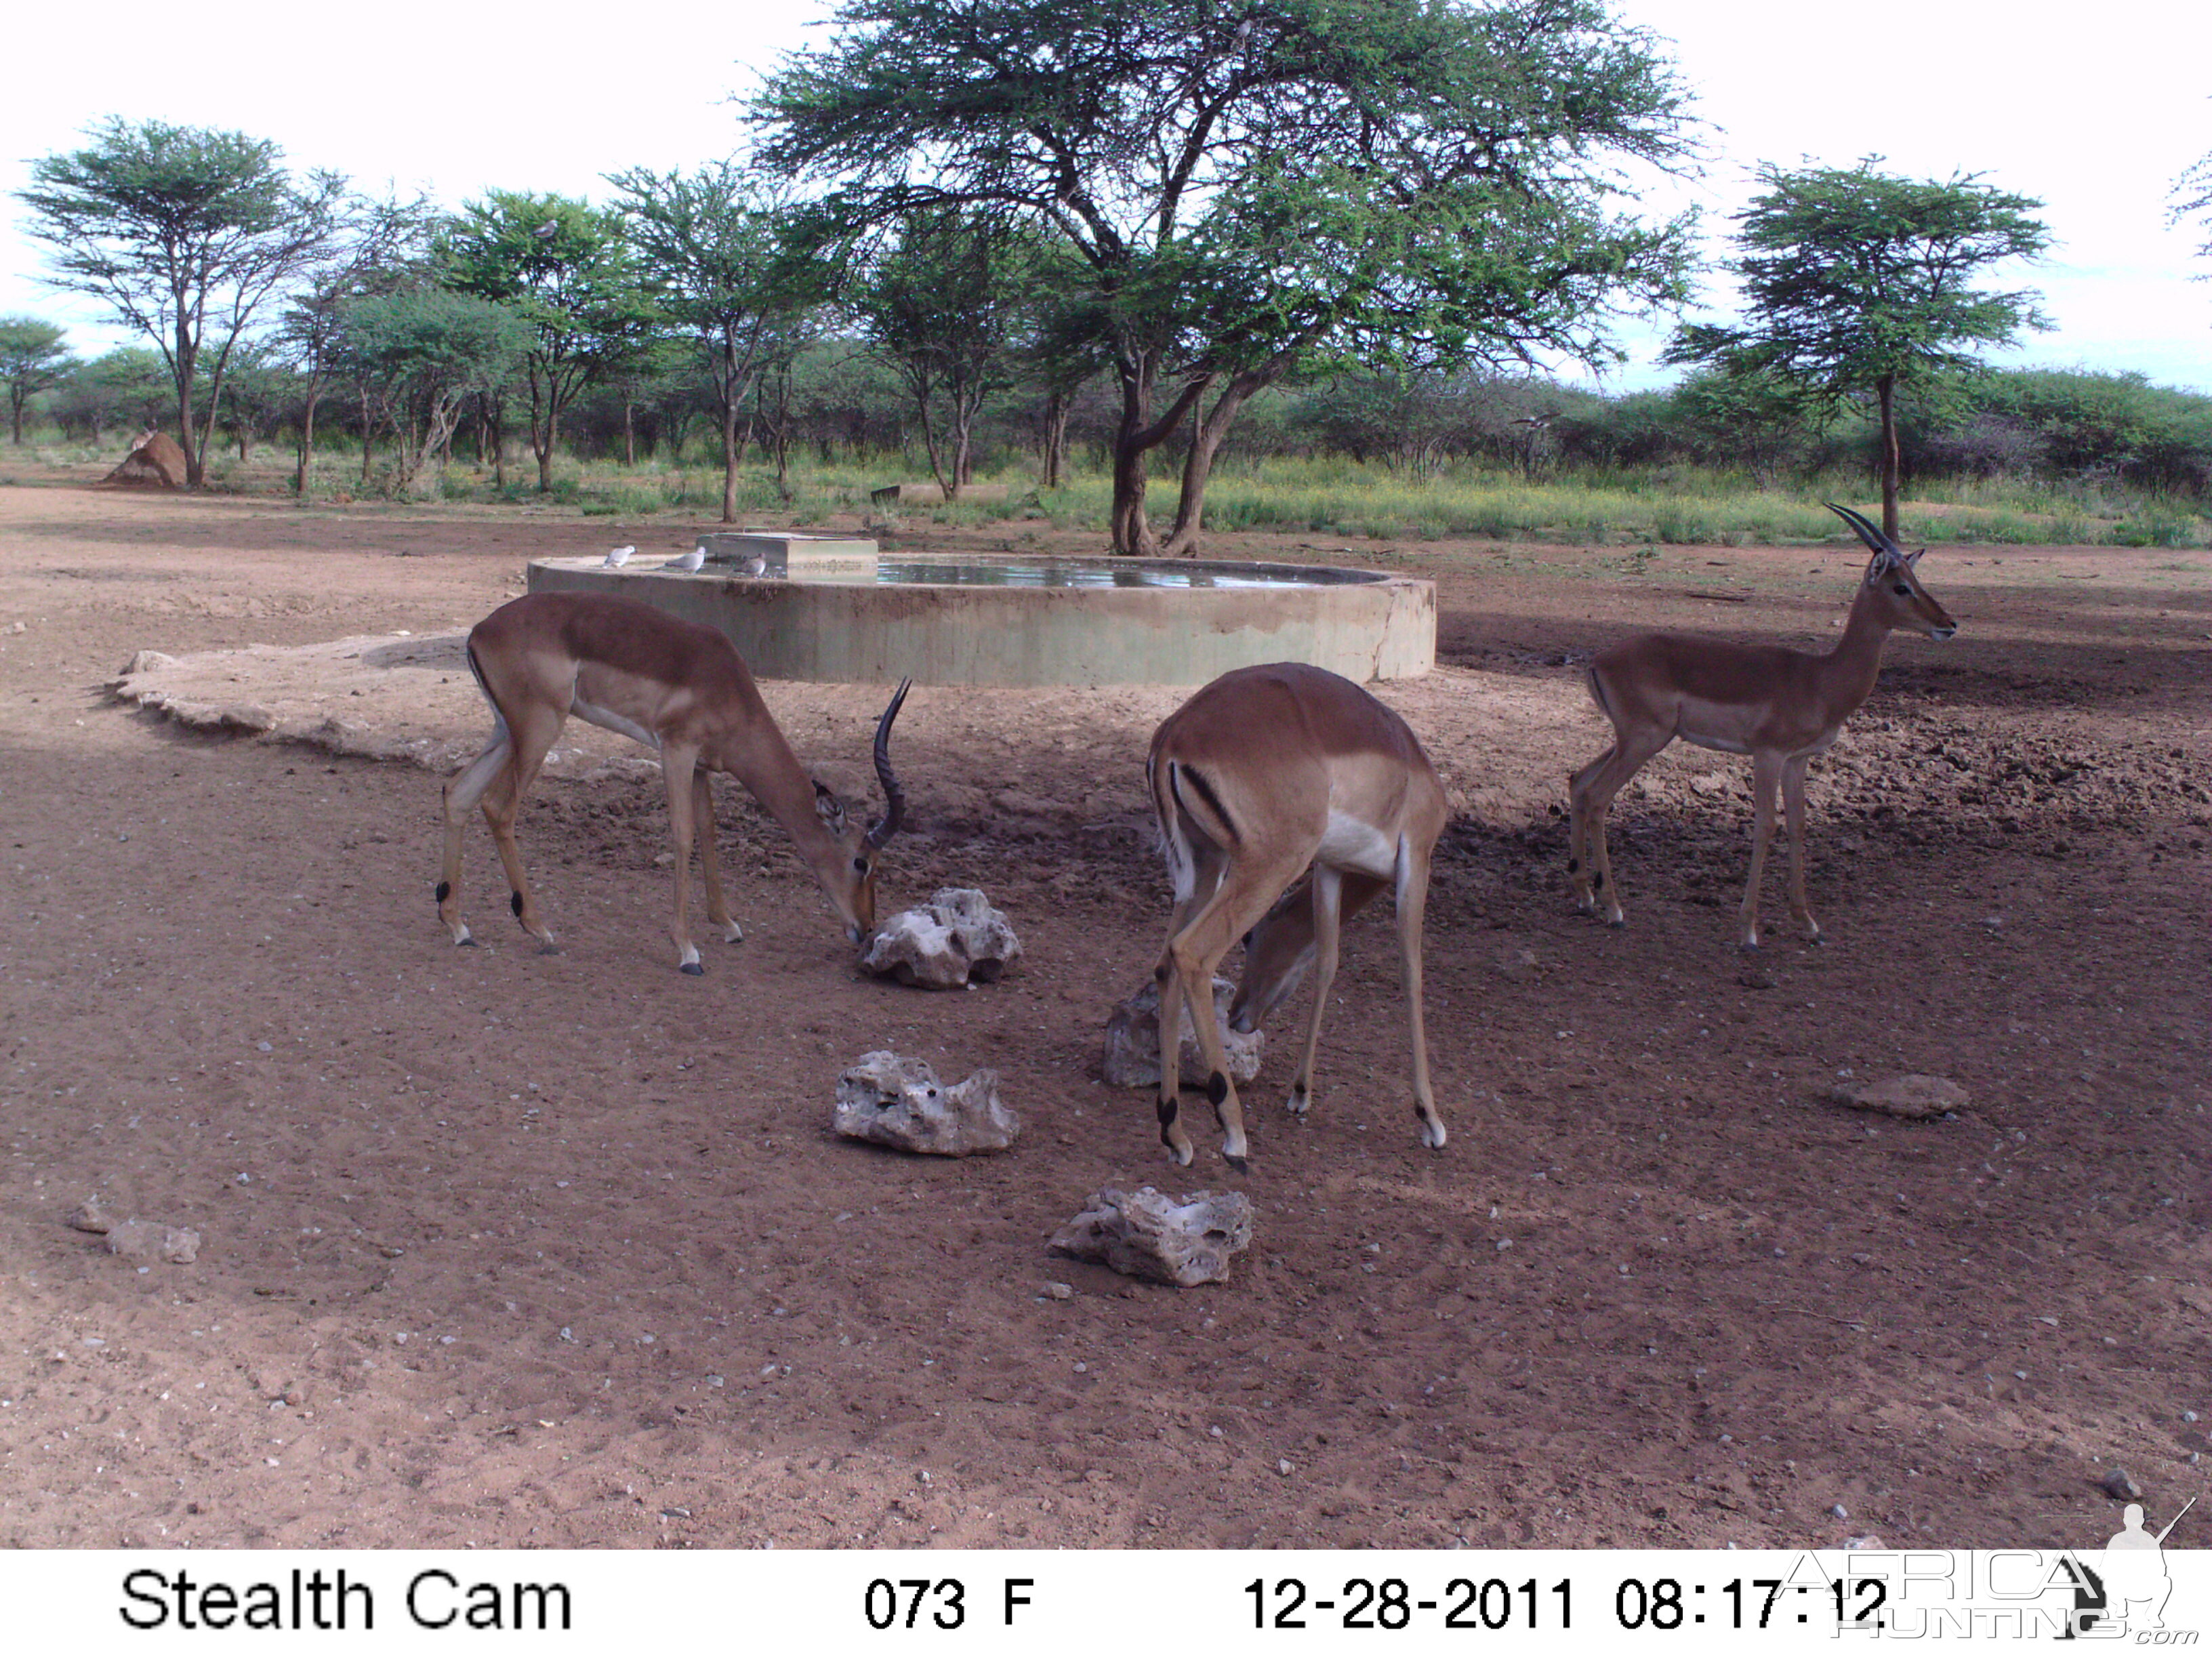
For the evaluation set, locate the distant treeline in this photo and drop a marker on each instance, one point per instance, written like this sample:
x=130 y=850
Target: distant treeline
x=845 y=404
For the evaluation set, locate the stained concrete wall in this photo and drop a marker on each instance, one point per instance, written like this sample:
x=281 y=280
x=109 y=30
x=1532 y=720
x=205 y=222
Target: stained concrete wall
x=982 y=635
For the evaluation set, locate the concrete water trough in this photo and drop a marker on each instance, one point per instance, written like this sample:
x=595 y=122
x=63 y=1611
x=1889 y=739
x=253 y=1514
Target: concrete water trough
x=843 y=613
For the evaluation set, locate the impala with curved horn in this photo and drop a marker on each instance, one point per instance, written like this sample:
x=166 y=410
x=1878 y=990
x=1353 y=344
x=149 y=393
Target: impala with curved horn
x=1779 y=707
x=675 y=687
x=1265 y=774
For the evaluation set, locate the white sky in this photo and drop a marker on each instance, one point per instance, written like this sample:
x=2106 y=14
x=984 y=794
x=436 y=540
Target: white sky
x=2095 y=116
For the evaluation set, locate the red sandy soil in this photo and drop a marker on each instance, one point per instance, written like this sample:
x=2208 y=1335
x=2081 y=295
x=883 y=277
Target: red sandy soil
x=510 y=1249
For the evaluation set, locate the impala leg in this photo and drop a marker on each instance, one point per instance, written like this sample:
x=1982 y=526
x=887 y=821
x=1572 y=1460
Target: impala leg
x=1605 y=777
x=1578 y=828
x=710 y=861
x=1766 y=779
x=676 y=771
x=532 y=735
x=1240 y=900
x=1793 y=805
x=1206 y=880
x=1412 y=908
x=462 y=793
x=1328 y=921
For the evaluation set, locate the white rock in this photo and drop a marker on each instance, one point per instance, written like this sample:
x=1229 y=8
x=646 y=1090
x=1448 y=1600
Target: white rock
x=956 y=940
x=1132 y=1060
x=143 y=1240
x=1146 y=1234
x=899 y=1103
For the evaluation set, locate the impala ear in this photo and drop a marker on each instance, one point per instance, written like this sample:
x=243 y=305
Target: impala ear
x=829 y=808
x=1912 y=560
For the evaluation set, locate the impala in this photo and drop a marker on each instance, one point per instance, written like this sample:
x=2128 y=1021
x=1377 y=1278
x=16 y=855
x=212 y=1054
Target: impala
x=1778 y=706
x=1264 y=775
x=675 y=687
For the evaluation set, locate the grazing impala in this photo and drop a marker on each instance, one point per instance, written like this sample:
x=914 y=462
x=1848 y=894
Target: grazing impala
x=1264 y=774
x=1779 y=707
x=675 y=687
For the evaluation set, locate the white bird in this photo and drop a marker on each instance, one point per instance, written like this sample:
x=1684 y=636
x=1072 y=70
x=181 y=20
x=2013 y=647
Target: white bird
x=619 y=557
x=757 y=565
x=690 y=561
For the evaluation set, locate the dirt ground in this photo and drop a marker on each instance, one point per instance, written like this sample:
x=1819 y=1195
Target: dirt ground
x=510 y=1249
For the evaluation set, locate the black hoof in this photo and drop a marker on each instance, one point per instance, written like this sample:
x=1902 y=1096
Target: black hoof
x=1242 y=1165
x=697 y=971
x=468 y=944
x=549 y=950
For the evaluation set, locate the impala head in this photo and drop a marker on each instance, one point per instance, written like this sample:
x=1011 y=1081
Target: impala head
x=848 y=870
x=1893 y=581
x=1278 y=953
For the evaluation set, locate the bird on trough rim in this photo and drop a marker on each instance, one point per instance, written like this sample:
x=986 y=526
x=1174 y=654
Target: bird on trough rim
x=619 y=557
x=755 y=566
x=691 y=560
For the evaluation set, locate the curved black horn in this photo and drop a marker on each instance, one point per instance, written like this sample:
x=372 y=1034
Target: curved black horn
x=894 y=797
x=1873 y=537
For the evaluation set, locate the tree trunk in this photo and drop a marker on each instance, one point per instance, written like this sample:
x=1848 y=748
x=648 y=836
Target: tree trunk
x=368 y=440
x=15 y=411
x=1205 y=444
x=307 y=438
x=1135 y=439
x=1056 y=406
x=730 y=451
x=630 y=435
x=1886 y=391
x=194 y=455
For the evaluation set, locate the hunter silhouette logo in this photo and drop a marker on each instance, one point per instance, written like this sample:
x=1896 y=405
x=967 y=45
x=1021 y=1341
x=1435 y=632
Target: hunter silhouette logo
x=2128 y=1589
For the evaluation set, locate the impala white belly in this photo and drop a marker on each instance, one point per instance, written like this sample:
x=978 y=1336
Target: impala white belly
x=1348 y=843
x=613 y=723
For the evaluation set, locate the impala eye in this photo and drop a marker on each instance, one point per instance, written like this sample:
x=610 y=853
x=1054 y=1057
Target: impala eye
x=1902 y=590
x=860 y=865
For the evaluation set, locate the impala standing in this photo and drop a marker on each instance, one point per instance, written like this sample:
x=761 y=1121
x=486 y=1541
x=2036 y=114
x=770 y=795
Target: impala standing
x=677 y=688
x=1262 y=775
x=1778 y=706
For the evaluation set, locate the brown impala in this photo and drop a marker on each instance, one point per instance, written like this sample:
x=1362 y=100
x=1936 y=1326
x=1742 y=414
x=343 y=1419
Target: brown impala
x=677 y=688
x=1778 y=706
x=1263 y=774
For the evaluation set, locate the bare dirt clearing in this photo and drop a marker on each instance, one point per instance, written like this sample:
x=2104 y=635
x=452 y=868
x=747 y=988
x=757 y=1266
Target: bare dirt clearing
x=517 y=1249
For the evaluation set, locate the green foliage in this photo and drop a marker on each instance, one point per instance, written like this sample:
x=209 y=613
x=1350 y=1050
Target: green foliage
x=31 y=359
x=568 y=270
x=1852 y=276
x=185 y=233
x=1394 y=180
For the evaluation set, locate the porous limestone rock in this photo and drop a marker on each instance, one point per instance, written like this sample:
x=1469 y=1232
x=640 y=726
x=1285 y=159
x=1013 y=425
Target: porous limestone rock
x=1147 y=1234
x=1133 y=1043
x=955 y=940
x=142 y=1241
x=899 y=1103
x=1911 y=1095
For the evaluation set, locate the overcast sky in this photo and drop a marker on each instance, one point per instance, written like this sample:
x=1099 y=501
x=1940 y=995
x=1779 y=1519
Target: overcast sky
x=2095 y=116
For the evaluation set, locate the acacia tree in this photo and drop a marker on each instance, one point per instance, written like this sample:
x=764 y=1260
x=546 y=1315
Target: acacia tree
x=945 y=304
x=376 y=247
x=420 y=354
x=1251 y=186
x=185 y=233
x=566 y=269
x=1856 y=283
x=715 y=242
x=31 y=359
x=2191 y=198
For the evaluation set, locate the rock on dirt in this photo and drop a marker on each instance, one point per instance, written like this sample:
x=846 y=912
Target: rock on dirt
x=144 y=1241
x=1910 y=1095
x=896 y=1102
x=1147 y=1234
x=2121 y=1485
x=1131 y=1058
x=956 y=940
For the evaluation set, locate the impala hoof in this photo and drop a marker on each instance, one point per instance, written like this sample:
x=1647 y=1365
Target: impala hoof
x=697 y=971
x=465 y=937
x=1242 y=1165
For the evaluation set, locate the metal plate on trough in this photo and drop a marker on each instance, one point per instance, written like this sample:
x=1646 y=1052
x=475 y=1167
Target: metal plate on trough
x=975 y=619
